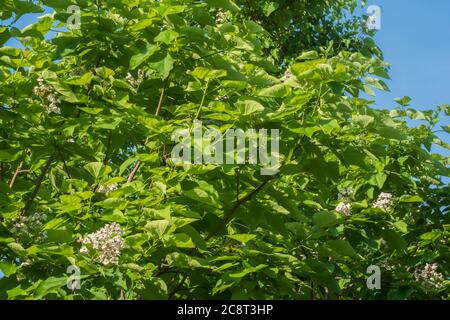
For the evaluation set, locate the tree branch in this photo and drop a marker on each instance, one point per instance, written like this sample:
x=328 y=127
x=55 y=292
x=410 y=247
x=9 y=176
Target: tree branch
x=38 y=185
x=177 y=287
x=108 y=147
x=158 y=109
x=230 y=213
x=13 y=179
x=66 y=168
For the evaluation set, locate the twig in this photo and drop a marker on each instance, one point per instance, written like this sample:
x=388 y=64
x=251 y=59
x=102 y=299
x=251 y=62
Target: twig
x=238 y=175
x=139 y=162
x=161 y=98
x=230 y=214
x=38 y=185
x=13 y=179
x=108 y=147
x=66 y=168
x=177 y=287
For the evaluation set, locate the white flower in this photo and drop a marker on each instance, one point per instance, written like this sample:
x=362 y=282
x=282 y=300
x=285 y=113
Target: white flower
x=108 y=188
x=83 y=249
x=429 y=277
x=135 y=82
x=26 y=262
x=107 y=243
x=44 y=91
x=141 y=74
x=53 y=108
x=344 y=208
x=221 y=17
x=287 y=74
x=384 y=201
x=220 y=98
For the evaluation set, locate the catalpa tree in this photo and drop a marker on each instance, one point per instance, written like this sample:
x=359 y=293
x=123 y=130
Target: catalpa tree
x=93 y=205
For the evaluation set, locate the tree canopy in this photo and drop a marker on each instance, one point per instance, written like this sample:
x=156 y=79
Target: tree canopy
x=86 y=122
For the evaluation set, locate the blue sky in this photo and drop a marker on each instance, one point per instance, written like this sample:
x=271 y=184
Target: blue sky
x=415 y=39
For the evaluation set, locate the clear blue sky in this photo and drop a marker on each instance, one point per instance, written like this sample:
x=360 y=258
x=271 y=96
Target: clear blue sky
x=415 y=39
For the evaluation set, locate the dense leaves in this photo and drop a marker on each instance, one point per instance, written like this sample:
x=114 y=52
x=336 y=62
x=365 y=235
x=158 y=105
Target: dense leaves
x=86 y=121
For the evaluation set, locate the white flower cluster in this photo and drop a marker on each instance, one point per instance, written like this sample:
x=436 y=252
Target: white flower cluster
x=135 y=82
x=107 y=188
x=107 y=243
x=26 y=262
x=429 y=277
x=44 y=91
x=384 y=201
x=344 y=207
x=221 y=17
x=220 y=98
x=31 y=225
x=287 y=74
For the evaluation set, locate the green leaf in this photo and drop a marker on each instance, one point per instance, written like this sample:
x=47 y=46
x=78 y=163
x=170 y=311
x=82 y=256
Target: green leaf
x=277 y=91
x=394 y=240
x=167 y=36
x=8 y=268
x=66 y=93
x=326 y=219
x=409 y=199
x=269 y=7
x=404 y=102
x=169 y=10
x=183 y=261
x=157 y=228
x=17 y=248
x=224 y=4
x=154 y=289
x=378 y=180
x=208 y=74
x=6 y=156
x=248 y=107
x=50 y=285
x=60 y=236
x=247 y=271
x=142 y=56
x=343 y=248
x=363 y=120
x=164 y=66
x=81 y=81
x=401 y=226
x=180 y=240
x=243 y=238
x=308 y=55
x=97 y=169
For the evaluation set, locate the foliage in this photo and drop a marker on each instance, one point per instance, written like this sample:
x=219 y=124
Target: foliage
x=100 y=155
